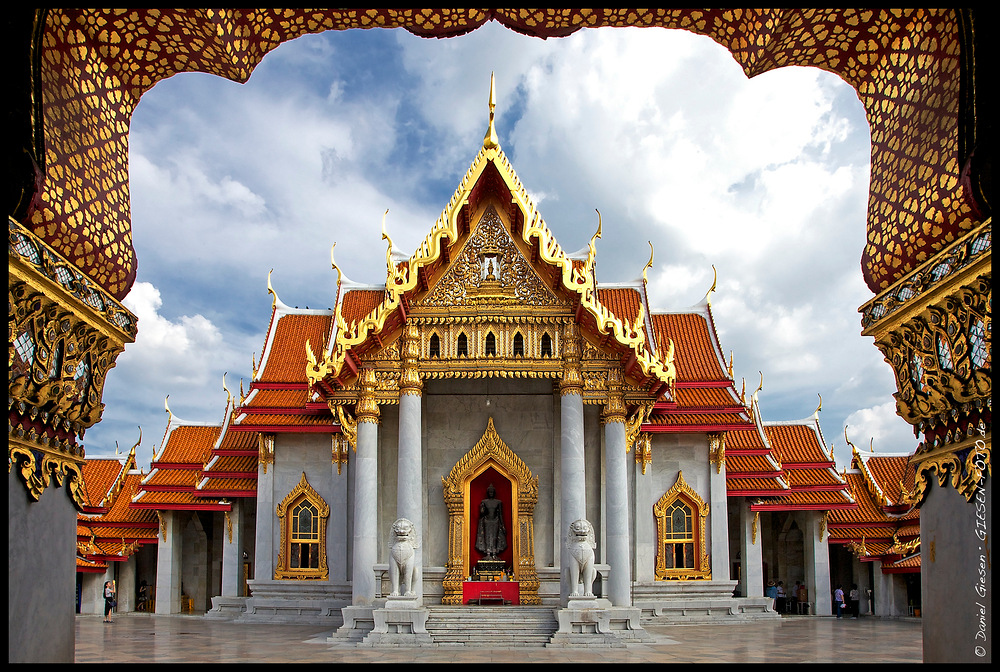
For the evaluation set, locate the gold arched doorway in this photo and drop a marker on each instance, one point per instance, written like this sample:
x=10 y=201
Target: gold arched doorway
x=491 y=454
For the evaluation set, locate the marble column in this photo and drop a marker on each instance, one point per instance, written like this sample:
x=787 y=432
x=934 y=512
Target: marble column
x=752 y=576
x=264 y=555
x=365 y=538
x=718 y=512
x=232 y=550
x=573 y=495
x=616 y=535
x=409 y=479
x=817 y=563
x=168 y=562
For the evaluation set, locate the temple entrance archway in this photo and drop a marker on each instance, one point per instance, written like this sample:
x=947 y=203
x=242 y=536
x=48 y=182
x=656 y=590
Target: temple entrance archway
x=490 y=461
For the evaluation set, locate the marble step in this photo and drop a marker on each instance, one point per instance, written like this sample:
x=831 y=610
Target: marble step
x=500 y=626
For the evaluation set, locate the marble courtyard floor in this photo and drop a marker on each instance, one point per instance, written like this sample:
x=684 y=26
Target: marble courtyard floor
x=145 y=638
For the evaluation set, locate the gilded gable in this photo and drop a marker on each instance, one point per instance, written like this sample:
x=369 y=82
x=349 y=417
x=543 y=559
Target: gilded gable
x=490 y=271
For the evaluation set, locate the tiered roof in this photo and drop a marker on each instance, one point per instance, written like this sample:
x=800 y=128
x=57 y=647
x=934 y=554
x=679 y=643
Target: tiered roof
x=809 y=468
x=279 y=399
x=109 y=530
x=175 y=473
x=882 y=527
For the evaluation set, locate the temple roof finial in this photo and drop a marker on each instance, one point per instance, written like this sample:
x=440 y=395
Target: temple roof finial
x=490 y=141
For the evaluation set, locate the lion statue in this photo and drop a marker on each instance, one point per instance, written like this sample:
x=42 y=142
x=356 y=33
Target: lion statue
x=581 y=544
x=403 y=561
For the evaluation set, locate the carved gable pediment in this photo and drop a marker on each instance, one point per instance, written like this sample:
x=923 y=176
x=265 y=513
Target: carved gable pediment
x=490 y=270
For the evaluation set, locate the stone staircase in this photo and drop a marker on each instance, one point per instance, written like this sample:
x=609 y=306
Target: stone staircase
x=500 y=627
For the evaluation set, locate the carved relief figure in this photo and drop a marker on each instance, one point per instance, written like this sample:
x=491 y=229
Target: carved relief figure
x=491 y=535
x=581 y=544
x=403 y=543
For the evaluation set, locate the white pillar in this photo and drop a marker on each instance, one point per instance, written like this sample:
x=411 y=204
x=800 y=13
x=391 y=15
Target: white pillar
x=752 y=576
x=264 y=555
x=817 y=563
x=168 y=562
x=617 y=532
x=573 y=497
x=718 y=512
x=409 y=479
x=365 y=536
x=232 y=550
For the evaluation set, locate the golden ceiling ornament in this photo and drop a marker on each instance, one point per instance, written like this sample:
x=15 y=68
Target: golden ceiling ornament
x=964 y=466
x=348 y=427
x=265 y=449
x=717 y=450
x=490 y=452
x=644 y=450
x=633 y=425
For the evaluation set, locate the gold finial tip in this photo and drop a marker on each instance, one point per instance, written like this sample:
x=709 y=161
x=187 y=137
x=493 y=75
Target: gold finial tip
x=490 y=140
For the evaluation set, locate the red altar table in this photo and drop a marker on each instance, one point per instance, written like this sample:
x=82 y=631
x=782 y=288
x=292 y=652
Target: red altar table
x=491 y=592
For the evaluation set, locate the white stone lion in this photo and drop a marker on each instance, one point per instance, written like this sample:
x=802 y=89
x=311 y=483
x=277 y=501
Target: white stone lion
x=581 y=544
x=403 y=543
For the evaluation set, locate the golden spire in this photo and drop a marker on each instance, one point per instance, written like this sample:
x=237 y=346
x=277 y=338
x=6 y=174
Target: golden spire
x=388 y=252
x=649 y=264
x=490 y=141
x=715 y=281
x=270 y=290
x=166 y=407
x=820 y=407
x=334 y=263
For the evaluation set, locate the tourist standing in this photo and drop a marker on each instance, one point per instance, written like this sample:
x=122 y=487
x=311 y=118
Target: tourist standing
x=109 y=600
x=838 y=599
x=781 y=597
x=855 y=599
x=793 y=599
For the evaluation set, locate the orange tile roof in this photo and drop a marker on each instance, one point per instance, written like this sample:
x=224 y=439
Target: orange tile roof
x=238 y=441
x=668 y=419
x=98 y=477
x=744 y=439
x=747 y=485
x=820 y=499
x=247 y=485
x=623 y=302
x=705 y=397
x=359 y=303
x=166 y=500
x=284 y=420
x=188 y=444
x=695 y=354
x=278 y=399
x=230 y=463
x=286 y=358
x=743 y=464
x=797 y=442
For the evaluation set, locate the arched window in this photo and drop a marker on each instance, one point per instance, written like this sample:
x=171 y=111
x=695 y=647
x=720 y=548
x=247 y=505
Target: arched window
x=546 y=345
x=518 y=345
x=680 y=529
x=491 y=344
x=304 y=539
x=302 y=517
x=463 y=346
x=435 y=346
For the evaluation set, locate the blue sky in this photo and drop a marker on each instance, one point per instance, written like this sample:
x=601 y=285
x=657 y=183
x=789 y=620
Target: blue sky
x=765 y=179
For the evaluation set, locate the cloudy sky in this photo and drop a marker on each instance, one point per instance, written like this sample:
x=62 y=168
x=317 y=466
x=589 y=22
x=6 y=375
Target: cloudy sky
x=765 y=179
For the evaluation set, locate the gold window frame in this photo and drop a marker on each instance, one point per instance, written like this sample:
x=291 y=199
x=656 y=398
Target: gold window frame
x=699 y=509
x=282 y=570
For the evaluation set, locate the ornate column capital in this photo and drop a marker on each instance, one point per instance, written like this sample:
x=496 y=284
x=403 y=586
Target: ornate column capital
x=367 y=409
x=614 y=405
x=409 y=354
x=572 y=377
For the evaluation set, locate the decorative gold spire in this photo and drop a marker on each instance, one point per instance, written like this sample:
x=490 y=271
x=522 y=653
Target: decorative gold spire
x=166 y=407
x=270 y=290
x=490 y=141
x=715 y=281
x=649 y=264
x=334 y=263
x=820 y=407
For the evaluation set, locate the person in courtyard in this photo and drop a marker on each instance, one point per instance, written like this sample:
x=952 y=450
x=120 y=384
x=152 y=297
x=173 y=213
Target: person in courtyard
x=855 y=601
x=781 y=597
x=838 y=600
x=109 y=600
